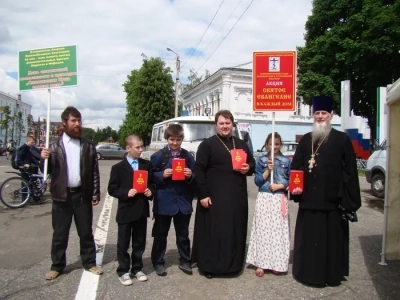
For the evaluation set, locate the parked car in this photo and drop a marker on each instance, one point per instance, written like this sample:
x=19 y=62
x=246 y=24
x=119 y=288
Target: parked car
x=3 y=149
x=110 y=151
x=375 y=171
x=247 y=139
x=288 y=149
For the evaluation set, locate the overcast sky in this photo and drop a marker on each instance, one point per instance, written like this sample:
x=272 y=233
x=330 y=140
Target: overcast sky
x=112 y=35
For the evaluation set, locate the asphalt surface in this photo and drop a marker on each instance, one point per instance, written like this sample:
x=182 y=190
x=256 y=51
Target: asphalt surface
x=25 y=236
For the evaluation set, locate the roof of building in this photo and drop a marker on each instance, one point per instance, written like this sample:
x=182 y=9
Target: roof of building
x=233 y=69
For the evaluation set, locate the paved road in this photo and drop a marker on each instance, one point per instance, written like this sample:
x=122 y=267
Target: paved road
x=25 y=237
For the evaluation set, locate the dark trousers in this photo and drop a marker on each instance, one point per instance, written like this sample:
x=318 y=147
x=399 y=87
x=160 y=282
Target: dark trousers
x=135 y=231
x=160 y=233
x=62 y=213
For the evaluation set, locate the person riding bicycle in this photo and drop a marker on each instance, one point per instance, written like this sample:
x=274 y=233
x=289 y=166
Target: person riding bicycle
x=25 y=160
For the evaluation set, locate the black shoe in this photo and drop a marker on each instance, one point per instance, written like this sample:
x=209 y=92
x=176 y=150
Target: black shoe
x=186 y=268
x=160 y=270
x=208 y=275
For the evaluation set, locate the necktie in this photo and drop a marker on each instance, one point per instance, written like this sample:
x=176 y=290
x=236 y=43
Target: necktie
x=135 y=165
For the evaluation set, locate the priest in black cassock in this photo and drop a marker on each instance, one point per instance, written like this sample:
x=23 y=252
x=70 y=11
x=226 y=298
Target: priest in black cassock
x=331 y=189
x=220 y=230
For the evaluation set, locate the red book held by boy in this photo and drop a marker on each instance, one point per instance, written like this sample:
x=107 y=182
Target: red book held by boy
x=239 y=157
x=178 y=166
x=140 y=180
x=296 y=180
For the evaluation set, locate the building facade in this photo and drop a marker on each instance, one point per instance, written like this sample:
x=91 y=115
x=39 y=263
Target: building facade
x=15 y=131
x=232 y=89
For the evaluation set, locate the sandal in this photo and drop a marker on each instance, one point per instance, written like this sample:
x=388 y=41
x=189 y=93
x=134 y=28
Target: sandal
x=259 y=272
x=51 y=275
x=96 y=270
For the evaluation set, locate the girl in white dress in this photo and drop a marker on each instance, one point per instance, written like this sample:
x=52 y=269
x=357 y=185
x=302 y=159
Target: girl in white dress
x=269 y=245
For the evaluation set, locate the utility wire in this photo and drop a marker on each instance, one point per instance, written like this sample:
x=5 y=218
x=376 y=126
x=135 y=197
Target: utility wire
x=222 y=26
x=226 y=35
x=198 y=43
x=249 y=62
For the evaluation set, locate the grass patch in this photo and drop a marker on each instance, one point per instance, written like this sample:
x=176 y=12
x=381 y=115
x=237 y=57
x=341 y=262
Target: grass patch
x=361 y=173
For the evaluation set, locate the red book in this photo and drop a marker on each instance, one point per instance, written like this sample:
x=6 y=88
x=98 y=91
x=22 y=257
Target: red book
x=140 y=180
x=178 y=166
x=239 y=157
x=296 y=180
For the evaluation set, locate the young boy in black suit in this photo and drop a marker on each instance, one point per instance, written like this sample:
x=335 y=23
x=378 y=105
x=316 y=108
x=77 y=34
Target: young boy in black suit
x=133 y=209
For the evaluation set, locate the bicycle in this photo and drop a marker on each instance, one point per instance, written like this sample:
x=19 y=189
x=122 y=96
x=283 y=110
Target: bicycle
x=15 y=192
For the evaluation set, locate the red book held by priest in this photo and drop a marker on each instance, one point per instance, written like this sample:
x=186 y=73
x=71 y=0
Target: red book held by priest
x=239 y=157
x=178 y=166
x=140 y=180
x=296 y=180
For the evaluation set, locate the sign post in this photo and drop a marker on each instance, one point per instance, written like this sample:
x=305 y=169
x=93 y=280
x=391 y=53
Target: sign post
x=47 y=68
x=274 y=84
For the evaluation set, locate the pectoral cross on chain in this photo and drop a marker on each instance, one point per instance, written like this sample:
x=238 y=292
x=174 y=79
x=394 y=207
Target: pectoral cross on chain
x=311 y=162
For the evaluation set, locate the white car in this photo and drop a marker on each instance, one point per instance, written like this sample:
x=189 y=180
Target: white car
x=288 y=149
x=375 y=172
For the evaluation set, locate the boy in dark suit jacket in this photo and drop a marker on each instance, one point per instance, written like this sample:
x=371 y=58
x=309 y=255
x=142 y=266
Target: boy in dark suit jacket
x=133 y=209
x=172 y=201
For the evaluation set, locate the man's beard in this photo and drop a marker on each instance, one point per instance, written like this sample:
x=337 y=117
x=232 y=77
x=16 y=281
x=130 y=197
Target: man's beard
x=321 y=131
x=74 y=132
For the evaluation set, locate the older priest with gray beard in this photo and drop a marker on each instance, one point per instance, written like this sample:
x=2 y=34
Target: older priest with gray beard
x=331 y=188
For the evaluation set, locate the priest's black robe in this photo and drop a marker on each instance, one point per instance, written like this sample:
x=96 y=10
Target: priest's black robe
x=219 y=239
x=321 y=243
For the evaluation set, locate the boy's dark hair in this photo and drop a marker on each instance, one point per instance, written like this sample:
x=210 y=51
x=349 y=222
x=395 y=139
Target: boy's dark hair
x=174 y=130
x=225 y=113
x=70 y=110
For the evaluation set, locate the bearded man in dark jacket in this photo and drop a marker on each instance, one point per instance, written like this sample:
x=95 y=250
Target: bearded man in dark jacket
x=75 y=189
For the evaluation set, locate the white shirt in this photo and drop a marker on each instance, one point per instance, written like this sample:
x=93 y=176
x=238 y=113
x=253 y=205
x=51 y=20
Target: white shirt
x=72 y=152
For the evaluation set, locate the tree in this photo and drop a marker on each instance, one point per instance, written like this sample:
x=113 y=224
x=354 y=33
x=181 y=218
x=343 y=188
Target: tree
x=101 y=135
x=5 y=122
x=149 y=99
x=194 y=80
x=88 y=133
x=34 y=128
x=356 y=40
x=19 y=126
x=30 y=124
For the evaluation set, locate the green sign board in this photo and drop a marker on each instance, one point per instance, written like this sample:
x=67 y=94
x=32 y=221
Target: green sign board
x=47 y=68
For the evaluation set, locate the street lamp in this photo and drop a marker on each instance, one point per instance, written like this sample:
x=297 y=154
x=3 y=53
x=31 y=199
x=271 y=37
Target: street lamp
x=178 y=66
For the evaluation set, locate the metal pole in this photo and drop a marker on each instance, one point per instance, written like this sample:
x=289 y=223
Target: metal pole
x=47 y=134
x=178 y=63
x=386 y=204
x=273 y=145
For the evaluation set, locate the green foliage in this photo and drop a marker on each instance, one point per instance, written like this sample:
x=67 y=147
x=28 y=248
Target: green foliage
x=29 y=122
x=19 y=126
x=34 y=128
x=6 y=120
x=100 y=135
x=194 y=80
x=356 y=40
x=88 y=133
x=150 y=98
